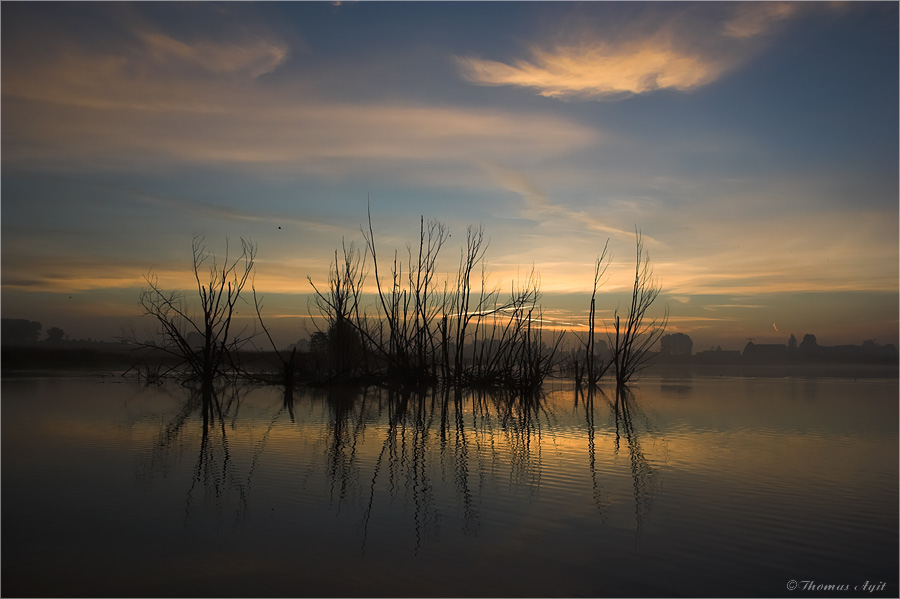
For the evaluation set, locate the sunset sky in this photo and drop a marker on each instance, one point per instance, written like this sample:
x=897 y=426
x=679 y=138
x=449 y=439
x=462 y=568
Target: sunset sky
x=754 y=144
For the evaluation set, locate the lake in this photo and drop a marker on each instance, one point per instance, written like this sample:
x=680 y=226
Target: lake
x=686 y=486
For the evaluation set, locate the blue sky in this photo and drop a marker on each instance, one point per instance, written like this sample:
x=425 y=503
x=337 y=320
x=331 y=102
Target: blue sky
x=754 y=144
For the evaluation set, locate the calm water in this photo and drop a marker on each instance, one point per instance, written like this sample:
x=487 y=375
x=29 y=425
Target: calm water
x=703 y=486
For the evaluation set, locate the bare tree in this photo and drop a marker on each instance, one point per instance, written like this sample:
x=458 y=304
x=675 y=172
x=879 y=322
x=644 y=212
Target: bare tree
x=287 y=363
x=339 y=304
x=199 y=335
x=408 y=306
x=594 y=366
x=637 y=333
x=460 y=302
x=432 y=236
x=457 y=330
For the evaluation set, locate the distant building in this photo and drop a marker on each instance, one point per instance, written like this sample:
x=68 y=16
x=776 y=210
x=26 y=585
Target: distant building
x=717 y=357
x=764 y=353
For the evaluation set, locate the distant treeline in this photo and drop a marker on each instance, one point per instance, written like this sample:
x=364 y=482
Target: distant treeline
x=28 y=353
x=677 y=348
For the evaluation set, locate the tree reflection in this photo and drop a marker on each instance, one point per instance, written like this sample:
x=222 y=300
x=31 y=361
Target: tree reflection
x=217 y=484
x=642 y=473
x=587 y=400
x=346 y=422
x=431 y=455
x=623 y=410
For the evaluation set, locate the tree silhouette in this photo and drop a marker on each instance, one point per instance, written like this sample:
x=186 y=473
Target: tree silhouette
x=676 y=344
x=55 y=335
x=594 y=366
x=636 y=334
x=19 y=330
x=339 y=304
x=218 y=292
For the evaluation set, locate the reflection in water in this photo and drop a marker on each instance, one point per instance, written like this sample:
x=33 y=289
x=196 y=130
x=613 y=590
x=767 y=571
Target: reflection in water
x=587 y=401
x=644 y=475
x=622 y=413
x=399 y=449
x=333 y=493
x=216 y=482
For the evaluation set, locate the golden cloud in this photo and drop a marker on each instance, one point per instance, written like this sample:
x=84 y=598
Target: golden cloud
x=201 y=102
x=632 y=61
x=269 y=129
x=599 y=70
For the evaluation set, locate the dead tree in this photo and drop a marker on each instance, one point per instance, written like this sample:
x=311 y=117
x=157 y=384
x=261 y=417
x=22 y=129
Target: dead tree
x=459 y=303
x=408 y=307
x=287 y=365
x=199 y=334
x=339 y=304
x=594 y=366
x=432 y=236
x=637 y=333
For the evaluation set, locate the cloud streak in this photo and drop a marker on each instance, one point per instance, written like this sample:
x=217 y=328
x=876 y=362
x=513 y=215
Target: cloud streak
x=602 y=66
x=205 y=103
x=537 y=206
x=252 y=57
x=598 y=70
x=755 y=18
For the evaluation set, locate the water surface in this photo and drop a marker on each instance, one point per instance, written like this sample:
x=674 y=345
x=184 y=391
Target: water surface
x=708 y=486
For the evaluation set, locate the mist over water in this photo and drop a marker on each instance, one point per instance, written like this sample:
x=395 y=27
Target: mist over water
x=704 y=486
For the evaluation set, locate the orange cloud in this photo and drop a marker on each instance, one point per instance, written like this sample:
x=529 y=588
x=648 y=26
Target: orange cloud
x=599 y=70
x=631 y=61
x=754 y=18
x=203 y=102
x=272 y=131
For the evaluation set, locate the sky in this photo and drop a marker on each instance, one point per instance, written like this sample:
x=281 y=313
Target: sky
x=754 y=145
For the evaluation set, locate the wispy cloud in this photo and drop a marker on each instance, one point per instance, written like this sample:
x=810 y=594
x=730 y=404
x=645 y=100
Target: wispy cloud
x=207 y=210
x=537 y=206
x=154 y=72
x=755 y=18
x=204 y=102
x=599 y=70
x=604 y=66
x=756 y=258
x=295 y=136
x=251 y=57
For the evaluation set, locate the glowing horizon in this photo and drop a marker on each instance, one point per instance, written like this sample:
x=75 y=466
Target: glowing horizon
x=753 y=144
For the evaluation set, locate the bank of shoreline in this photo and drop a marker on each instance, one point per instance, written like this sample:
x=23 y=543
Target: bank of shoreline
x=112 y=363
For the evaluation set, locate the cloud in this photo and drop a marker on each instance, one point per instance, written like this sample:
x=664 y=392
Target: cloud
x=755 y=18
x=599 y=70
x=269 y=130
x=204 y=102
x=537 y=207
x=833 y=254
x=275 y=133
x=159 y=74
x=675 y=55
x=68 y=275
x=251 y=57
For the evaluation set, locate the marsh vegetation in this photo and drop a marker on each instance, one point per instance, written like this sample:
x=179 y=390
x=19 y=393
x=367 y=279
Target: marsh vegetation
x=403 y=321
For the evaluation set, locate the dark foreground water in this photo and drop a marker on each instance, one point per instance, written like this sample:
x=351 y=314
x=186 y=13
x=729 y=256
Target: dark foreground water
x=692 y=487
